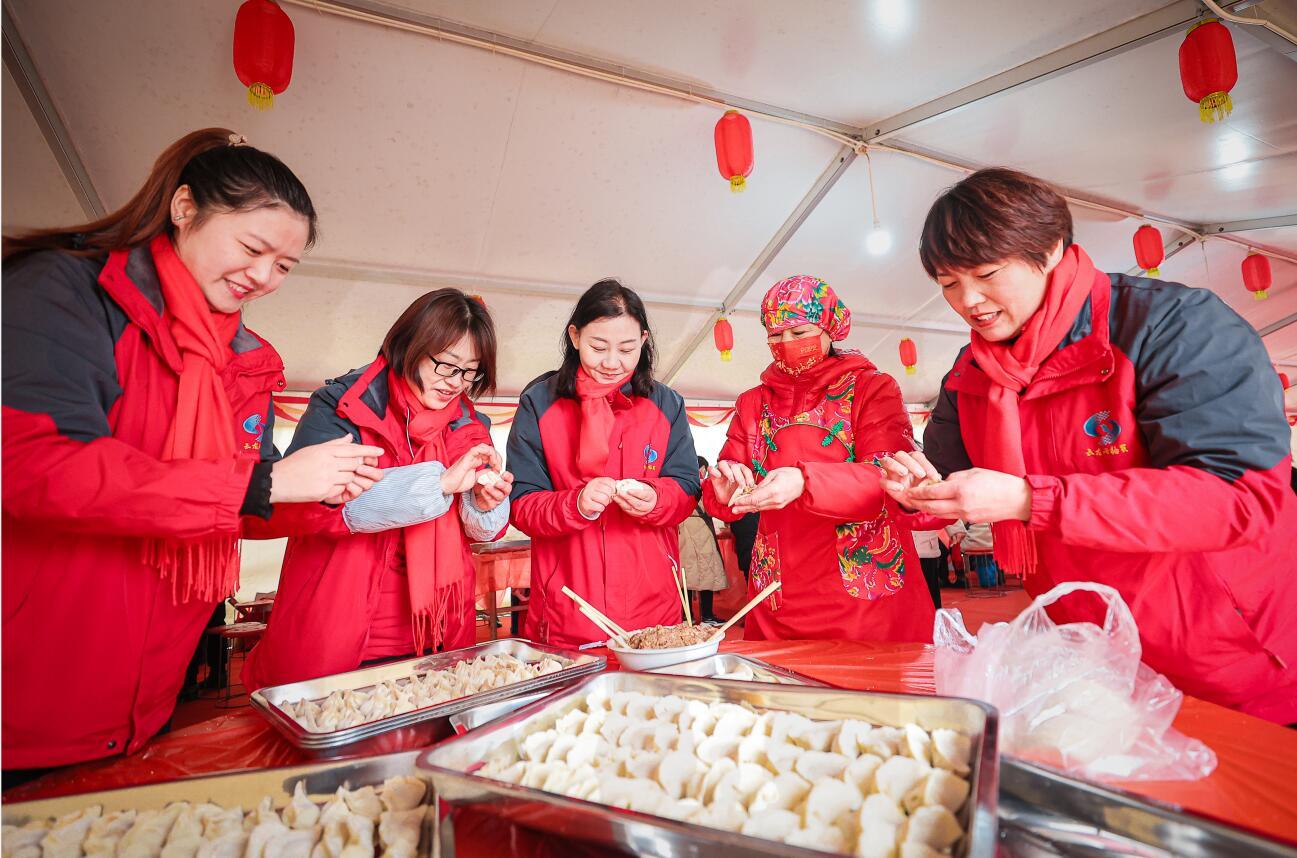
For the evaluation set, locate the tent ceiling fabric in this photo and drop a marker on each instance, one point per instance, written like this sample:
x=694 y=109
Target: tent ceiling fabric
x=446 y=161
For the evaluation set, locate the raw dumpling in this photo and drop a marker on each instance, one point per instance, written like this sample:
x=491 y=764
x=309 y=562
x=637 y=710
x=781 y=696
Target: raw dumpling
x=919 y=850
x=827 y=838
x=228 y=845
x=149 y=832
x=784 y=792
x=68 y=833
x=831 y=798
x=23 y=842
x=399 y=832
x=301 y=813
x=101 y=840
x=261 y=834
x=918 y=743
x=675 y=771
x=946 y=790
x=951 y=750
x=293 y=843
x=364 y=801
x=536 y=746
x=878 y=809
x=187 y=831
x=820 y=735
x=933 y=826
x=851 y=736
x=335 y=809
x=861 y=770
x=772 y=825
x=877 y=840
x=223 y=822
x=898 y=776
x=814 y=765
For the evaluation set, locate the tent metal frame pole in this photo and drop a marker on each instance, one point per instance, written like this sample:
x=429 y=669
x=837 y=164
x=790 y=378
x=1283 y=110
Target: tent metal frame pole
x=1109 y=43
x=832 y=173
x=55 y=131
x=1249 y=225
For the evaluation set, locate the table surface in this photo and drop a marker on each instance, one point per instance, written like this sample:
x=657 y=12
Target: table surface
x=1253 y=786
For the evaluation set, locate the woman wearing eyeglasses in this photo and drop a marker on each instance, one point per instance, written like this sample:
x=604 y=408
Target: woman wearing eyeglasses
x=393 y=575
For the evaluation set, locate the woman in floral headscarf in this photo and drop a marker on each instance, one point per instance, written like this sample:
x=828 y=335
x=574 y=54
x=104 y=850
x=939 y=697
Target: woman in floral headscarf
x=802 y=450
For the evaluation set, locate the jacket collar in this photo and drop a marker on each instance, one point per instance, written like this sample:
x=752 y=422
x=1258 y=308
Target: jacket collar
x=1084 y=357
x=365 y=404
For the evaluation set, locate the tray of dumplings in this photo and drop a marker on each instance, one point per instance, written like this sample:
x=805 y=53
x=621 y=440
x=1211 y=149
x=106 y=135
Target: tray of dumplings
x=360 y=809
x=324 y=715
x=674 y=766
x=728 y=665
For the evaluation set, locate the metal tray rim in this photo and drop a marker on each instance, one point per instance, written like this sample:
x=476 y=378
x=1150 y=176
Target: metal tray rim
x=760 y=664
x=583 y=665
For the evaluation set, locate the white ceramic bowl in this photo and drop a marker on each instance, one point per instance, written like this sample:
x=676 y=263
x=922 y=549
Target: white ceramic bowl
x=647 y=659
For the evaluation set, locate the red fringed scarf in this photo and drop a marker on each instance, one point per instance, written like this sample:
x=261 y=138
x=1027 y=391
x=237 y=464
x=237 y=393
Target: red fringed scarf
x=207 y=568
x=434 y=550
x=1011 y=366
x=596 y=423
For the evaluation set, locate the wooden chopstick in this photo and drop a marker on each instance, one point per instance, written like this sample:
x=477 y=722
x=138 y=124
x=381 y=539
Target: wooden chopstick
x=682 y=588
x=617 y=630
x=758 y=599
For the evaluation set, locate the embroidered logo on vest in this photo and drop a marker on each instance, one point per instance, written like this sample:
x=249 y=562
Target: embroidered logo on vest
x=1101 y=425
x=254 y=424
x=650 y=458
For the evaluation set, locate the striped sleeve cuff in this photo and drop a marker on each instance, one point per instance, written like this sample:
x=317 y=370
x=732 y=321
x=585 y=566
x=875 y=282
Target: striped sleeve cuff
x=407 y=495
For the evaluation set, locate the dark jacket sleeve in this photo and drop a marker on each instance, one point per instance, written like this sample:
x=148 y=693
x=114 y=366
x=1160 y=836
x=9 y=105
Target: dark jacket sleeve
x=61 y=463
x=535 y=507
x=1211 y=412
x=677 y=489
x=321 y=422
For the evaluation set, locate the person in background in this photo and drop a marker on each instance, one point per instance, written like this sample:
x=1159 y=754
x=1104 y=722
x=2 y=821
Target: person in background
x=979 y=554
x=700 y=557
x=389 y=574
x=930 y=545
x=605 y=471
x=745 y=529
x=137 y=442
x=812 y=431
x=1114 y=429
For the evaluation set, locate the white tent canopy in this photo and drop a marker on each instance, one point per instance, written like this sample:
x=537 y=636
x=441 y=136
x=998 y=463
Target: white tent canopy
x=434 y=162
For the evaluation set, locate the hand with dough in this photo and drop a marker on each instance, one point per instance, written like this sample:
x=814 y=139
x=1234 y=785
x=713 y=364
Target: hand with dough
x=492 y=488
x=636 y=499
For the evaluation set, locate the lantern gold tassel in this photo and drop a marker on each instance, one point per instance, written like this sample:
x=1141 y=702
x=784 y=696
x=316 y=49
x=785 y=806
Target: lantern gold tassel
x=261 y=96
x=727 y=355
x=1154 y=272
x=911 y=370
x=737 y=184
x=1261 y=294
x=1215 y=107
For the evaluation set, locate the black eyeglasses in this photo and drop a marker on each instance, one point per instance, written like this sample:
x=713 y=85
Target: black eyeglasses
x=450 y=370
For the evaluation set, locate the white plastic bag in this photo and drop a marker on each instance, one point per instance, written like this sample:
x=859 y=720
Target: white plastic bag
x=1075 y=696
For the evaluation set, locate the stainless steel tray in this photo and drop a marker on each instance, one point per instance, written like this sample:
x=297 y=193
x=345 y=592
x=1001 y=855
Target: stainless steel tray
x=645 y=835
x=268 y=701
x=1045 y=813
x=238 y=789
x=728 y=662
x=462 y=722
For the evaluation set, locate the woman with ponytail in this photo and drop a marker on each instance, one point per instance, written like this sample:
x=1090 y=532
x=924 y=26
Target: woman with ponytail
x=1114 y=429
x=137 y=442
x=392 y=576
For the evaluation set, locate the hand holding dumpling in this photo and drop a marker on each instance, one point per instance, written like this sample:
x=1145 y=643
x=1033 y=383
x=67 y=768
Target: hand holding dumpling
x=492 y=489
x=637 y=499
x=462 y=475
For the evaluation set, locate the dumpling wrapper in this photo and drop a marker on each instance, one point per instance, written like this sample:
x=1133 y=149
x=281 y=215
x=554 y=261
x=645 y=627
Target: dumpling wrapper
x=830 y=798
x=231 y=844
x=933 y=826
x=570 y=723
x=675 y=771
x=783 y=756
x=714 y=773
x=788 y=726
x=187 y=832
x=335 y=809
x=725 y=815
x=614 y=724
x=815 y=765
x=640 y=708
x=820 y=735
x=666 y=708
x=827 y=838
x=151 y=830
x=623 y=487
x=487 y=477
x=561 y=747
x=535 y=746
x=861 y=771
x=402 y=793
x=897 y=777
x=260 y=835
x=294 y=843
x=772 y=824
x=716 y=748
x=878 y=809
x=877 y=840
x=108 y=831
x=850 y=736
x=364 y=802
x=225 y=821
x=644 y=764
x=734 y=724
x=946 y=790
x=587 y=748
x=24 y=842
x=783 y=792
x=65 y=837
x=918 y=743
x=301 y=813
x=951 y=750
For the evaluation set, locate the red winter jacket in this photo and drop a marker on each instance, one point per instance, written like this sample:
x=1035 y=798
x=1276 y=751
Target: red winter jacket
x=618 y=563
x=95 y=650
x=845 y=558
x=331 y=583
x=1157 y=453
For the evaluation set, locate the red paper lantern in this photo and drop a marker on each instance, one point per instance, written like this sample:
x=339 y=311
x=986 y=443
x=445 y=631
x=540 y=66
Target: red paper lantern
x=734 y=148
x=1256 y=275
x=1208 y=68
x=1149 y=251
x=263 y=51
x=1283 y=380
x=909 y=355
x=723 y=336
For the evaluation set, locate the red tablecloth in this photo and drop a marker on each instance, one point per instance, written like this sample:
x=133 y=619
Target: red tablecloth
x=500 y=569
x=1252 y=787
